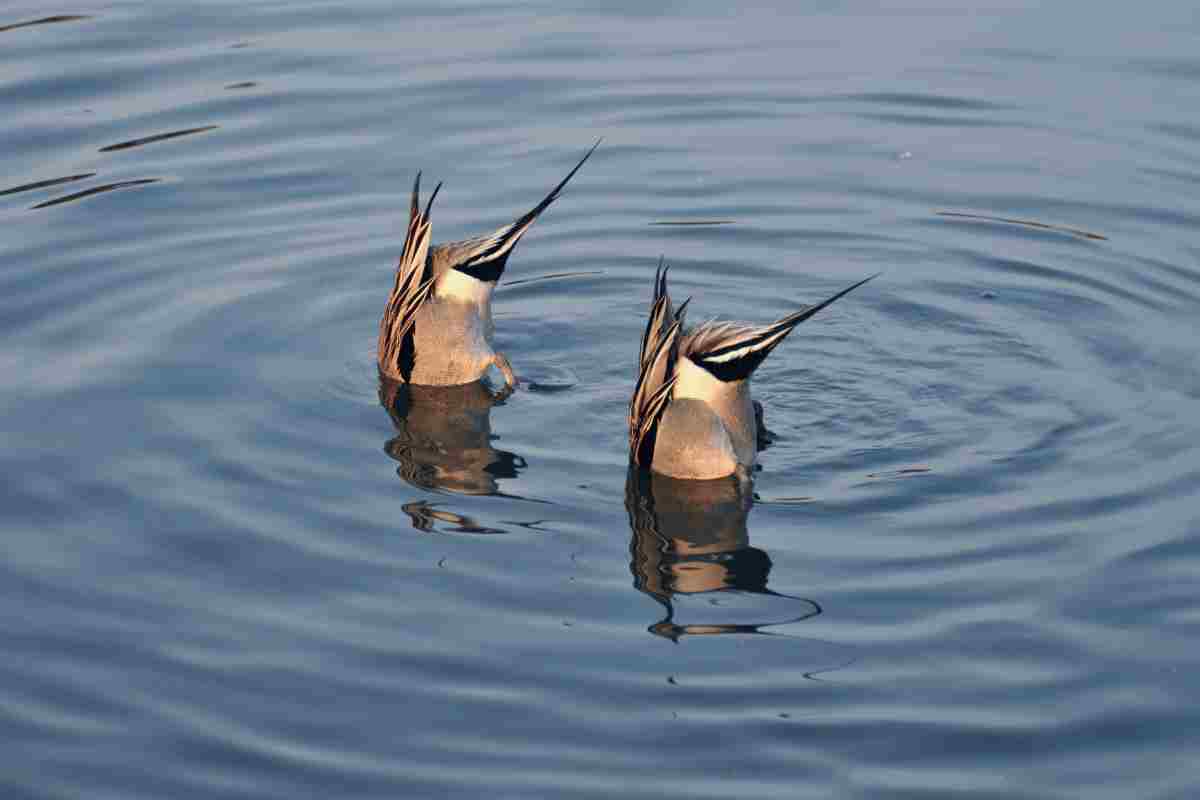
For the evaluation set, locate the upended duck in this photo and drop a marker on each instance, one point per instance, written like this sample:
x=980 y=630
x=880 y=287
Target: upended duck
x=437 y=328
x=691 y=415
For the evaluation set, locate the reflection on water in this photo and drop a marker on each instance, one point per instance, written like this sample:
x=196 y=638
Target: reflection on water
x=986 y=474
x=444 y=438
x=1029 y=223
x=425 y=516
x=689 y=538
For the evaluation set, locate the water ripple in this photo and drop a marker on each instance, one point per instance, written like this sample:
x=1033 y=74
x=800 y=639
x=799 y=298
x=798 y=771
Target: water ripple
x=235 y=564
x=44 y=21
x=158 y=137
x=107 y=187
x=26 y=187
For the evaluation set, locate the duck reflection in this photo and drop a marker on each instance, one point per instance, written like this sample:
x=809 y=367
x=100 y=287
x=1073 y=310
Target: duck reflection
x=444 y=438
x=690 y=538
x=425 y=516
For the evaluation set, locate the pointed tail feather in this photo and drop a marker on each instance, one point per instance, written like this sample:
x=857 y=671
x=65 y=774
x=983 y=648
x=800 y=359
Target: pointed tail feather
x=533 y=213
x=792 y=320
x=486 y=256
x=429 y=205
x=660 y=314
x=733 y=352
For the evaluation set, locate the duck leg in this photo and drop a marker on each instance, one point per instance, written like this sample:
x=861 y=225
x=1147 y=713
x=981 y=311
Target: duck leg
x=510 y=379
x=765 y=438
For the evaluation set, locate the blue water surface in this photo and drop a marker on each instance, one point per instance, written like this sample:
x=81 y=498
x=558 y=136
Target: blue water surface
x=234 y=565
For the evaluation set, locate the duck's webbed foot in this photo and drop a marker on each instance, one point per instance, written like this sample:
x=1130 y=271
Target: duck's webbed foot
x=510 y=377
x=744 y=477
x=764 y=437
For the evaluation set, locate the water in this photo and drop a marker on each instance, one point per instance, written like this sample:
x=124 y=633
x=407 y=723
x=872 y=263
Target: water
x=972 y=566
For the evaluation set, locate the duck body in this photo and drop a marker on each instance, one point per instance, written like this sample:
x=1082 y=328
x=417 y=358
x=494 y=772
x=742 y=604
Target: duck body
x=453 y=333
x=692 y=416
x=437 y=327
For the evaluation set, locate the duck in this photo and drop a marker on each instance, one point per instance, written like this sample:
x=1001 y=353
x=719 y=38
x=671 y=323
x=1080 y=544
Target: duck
x=691 y=416
x=437 y=327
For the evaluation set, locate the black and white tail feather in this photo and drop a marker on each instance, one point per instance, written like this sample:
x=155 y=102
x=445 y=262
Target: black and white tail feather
x=412 y=287
x=484 y=257
x=731 y=351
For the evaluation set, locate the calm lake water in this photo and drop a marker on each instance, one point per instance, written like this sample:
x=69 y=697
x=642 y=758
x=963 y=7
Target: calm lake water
x=971 y=567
